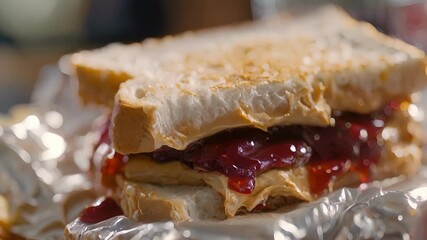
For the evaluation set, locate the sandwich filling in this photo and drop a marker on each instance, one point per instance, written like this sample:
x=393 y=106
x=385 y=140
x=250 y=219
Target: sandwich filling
x=351 y=145
x=248 y=166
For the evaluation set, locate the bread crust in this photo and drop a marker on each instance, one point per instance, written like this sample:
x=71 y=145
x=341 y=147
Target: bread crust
x=98 y=87
x=100 y=71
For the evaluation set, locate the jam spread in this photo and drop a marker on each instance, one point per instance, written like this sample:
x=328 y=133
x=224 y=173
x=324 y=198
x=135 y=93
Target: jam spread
x=112 y=165
x=102 y=210
x=351 y=145
x=106 y=159
x=242 y=154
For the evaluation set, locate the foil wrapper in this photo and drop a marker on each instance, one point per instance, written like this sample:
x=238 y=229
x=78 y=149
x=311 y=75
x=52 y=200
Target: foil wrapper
x=45 y=149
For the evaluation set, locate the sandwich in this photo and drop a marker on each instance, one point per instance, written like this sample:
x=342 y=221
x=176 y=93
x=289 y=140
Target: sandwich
x=252 y=118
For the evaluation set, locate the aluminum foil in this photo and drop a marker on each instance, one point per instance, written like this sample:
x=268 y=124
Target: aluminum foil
x=371 y=213
x=42 y=158
x=44 y=152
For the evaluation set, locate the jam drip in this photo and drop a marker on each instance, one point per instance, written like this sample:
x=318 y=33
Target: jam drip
x=113 y=165
x=327 y=152
x=106 y=159
x=351 y=146
x=104 y=209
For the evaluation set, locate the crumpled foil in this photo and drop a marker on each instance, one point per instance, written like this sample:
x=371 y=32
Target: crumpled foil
x=372 y=213
x=44 y=152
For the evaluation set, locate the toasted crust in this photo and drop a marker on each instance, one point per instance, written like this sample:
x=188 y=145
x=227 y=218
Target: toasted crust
x=99 y=87
x=291 y=75
x=100 y=71
x=166 y=184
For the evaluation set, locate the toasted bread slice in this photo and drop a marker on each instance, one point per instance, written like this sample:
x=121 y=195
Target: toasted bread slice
x=292 y=183
x=100 y=71
x=151 y=203
x=294 y=75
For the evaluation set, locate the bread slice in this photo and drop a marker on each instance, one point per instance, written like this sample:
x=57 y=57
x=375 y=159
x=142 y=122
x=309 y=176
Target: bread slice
x=100 y=71
x=291 y=183
x=293 y=75
x=148 y=203
x=151 y=203
x=150 y=191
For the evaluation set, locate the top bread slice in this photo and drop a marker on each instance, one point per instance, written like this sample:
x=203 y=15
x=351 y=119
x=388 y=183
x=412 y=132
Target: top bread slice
x=280 y=74
x=100 y=71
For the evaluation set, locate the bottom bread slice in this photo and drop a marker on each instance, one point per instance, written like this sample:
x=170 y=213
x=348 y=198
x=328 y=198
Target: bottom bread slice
x=214 y=200
x=151 y=203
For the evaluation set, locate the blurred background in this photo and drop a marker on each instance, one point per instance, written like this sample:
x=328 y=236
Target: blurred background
x=34 y=34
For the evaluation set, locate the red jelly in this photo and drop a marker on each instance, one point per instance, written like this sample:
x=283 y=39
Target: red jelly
x=241 y=154
x=241 y=184
x=112 y=166
x=109 y=162
x=350 y=146
x=328 y=152
x=104 y=209
x=101 y=149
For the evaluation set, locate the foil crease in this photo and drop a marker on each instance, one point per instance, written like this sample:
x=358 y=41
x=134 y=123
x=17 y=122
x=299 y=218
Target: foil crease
x=371 y=213
x=44 y=160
